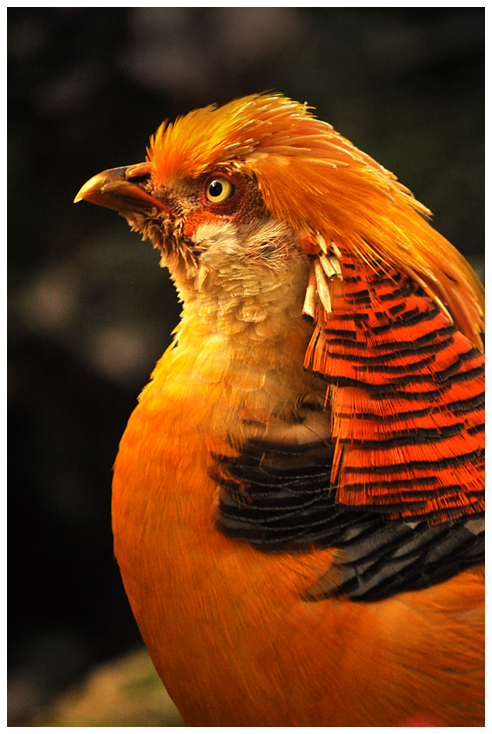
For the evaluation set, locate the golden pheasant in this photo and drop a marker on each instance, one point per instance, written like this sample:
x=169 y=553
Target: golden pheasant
x=298 y=499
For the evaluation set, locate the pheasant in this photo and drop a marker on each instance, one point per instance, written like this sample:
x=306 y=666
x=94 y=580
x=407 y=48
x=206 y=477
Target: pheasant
x=298 y=498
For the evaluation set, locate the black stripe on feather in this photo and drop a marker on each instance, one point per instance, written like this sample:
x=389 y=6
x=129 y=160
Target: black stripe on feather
x=280 y=499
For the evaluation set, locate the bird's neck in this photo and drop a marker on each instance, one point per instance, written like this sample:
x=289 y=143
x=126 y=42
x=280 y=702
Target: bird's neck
x=245 y=332
x=249 y=359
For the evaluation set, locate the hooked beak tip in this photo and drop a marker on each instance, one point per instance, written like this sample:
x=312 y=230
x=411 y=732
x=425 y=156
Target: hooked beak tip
x=115 y=189
x=91 y=186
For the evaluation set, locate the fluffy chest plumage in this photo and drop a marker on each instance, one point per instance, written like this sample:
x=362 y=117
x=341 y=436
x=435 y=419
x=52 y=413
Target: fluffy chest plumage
x=229 y=627
x=231 y=633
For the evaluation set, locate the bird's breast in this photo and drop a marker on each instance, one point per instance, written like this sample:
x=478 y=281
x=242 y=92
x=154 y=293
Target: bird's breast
x=228 y=627
x=210 y=609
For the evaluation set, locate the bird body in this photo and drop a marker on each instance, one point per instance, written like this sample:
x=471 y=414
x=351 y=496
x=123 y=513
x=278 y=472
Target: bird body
x=230 y=632
x=298 y=496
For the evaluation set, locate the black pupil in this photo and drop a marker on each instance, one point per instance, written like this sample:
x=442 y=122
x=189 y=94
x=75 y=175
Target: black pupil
x=215 y=188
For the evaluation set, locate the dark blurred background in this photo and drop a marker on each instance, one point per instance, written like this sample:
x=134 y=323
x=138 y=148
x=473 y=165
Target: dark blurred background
x=89 y=309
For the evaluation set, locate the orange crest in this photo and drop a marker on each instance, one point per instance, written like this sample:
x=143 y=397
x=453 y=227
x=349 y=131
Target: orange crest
x=320 y=183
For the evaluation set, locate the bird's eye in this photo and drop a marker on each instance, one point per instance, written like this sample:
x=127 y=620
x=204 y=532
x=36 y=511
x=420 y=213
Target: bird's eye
x=218 y=190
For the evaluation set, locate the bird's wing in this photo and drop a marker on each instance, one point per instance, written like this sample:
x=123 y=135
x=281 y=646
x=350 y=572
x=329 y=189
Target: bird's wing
x=400 y=489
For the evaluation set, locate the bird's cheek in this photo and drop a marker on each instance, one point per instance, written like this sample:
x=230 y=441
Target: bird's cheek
x=197 y=219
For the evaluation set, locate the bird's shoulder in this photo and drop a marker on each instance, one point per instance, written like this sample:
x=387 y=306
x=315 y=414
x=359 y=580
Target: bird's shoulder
x=278 y=496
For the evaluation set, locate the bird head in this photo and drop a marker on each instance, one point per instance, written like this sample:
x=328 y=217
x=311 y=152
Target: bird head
x=240 y=197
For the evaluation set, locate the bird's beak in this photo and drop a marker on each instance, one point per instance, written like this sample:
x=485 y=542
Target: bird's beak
x=121 y=189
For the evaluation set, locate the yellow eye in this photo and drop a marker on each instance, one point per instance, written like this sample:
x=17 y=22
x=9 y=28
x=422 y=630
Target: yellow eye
x=219 y=190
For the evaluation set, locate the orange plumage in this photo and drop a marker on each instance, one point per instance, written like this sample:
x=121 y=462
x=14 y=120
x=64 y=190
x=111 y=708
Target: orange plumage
x=298 y=499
